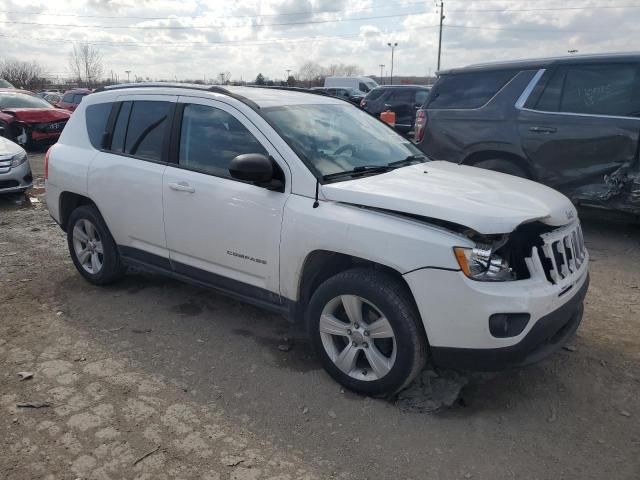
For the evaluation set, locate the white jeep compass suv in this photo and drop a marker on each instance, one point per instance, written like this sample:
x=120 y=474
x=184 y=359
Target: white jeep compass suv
x=307 y=206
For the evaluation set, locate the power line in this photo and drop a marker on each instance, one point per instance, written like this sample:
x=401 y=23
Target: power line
x=193 y=17
x=236 y=43
x=546 y=9
x=219 y=27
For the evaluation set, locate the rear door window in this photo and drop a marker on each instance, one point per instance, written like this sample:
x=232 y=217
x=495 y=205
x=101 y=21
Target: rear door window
x=68 y=98
x=141 y=128
x=467 y=90
x=77 y=98
x=210 y=138
x=602 y=89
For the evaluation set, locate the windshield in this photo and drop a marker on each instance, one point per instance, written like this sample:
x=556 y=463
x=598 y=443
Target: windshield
x=5 y=84
x=332 y=139
x=22 y=100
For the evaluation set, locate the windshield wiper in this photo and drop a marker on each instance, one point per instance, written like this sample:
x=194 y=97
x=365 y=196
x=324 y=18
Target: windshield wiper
x=408 y=161
x=359 y=170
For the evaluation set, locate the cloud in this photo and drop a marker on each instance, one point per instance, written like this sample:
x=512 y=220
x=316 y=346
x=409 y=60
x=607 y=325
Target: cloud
x=240 y=36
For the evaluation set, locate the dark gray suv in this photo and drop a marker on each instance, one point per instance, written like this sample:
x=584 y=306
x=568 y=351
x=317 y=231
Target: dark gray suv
x=571 y=123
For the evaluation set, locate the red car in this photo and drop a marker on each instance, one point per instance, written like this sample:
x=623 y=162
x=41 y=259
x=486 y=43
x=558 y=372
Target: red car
x=29 y=120
x=72 y=98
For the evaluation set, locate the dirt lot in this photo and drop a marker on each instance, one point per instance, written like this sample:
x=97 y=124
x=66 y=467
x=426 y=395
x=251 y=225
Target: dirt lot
x=203 y=385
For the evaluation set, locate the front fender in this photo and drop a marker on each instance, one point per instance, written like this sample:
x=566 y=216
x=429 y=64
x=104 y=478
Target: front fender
x=399 y=243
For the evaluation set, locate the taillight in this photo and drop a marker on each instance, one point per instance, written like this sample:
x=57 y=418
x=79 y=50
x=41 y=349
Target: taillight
x=421 y=125
x=363 y=103
x=46 y=163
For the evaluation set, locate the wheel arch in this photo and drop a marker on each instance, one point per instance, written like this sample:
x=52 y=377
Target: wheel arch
x=320 y=265
x=68 y=202
x=483 y=155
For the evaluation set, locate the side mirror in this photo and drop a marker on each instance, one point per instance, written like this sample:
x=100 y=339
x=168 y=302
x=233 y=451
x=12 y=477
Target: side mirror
x=252 y=167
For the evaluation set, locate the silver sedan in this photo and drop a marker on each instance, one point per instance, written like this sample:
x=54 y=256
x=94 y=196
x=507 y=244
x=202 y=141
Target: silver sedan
x=15 y=171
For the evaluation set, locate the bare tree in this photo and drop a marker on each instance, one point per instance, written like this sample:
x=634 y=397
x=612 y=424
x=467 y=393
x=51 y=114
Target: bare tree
x=27 y=75
x=351 y=70
x=85 y=62
x=312 y=73
x=342 y=70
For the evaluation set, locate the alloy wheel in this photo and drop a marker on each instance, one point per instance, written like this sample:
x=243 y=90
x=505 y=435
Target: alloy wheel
x=357 y=337
x=87 y=246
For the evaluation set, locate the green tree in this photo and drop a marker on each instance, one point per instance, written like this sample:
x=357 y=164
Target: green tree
x=260 y=79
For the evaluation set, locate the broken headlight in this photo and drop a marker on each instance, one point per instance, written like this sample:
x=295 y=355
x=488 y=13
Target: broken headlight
x=19 y=159
x=483 y=264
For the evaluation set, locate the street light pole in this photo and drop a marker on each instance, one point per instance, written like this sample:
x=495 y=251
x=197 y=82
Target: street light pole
x=381 y=79
x=127 y=72
x=440 y=40
x=393 y=47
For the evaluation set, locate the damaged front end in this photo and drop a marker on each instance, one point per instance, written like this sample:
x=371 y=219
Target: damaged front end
x=533 y=249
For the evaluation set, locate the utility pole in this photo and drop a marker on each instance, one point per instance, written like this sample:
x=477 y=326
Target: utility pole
x=440 y=41
x=288 y=70
x=127 y=72
x=381 y=79
x=393 y=47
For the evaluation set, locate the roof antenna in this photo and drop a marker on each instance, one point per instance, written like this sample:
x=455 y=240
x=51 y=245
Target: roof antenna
x=316 y=204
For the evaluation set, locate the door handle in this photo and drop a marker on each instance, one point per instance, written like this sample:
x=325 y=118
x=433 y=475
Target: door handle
x=543 y=129
x=181 y=187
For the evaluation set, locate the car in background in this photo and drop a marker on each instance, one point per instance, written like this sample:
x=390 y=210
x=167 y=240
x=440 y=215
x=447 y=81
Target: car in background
x=403 y=100
x=52 y=97
x=72 y=98
x=362 y=84
x=345 y=93
x=5 y=84
x=15 y=172
x=572 y=123
x=29 y=120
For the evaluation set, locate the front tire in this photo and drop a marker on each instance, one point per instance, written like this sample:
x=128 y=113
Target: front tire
x=92 y=248
x=365 y=328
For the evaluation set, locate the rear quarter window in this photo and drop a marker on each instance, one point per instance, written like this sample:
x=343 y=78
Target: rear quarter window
x=97 y=116
x=467 y=90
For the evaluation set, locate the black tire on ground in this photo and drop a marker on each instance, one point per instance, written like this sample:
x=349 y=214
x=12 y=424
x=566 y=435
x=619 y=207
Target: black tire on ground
x=112 y=268
x=393 y=300
x=502 y=166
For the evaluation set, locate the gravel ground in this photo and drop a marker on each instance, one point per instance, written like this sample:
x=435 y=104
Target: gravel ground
x=202 y=384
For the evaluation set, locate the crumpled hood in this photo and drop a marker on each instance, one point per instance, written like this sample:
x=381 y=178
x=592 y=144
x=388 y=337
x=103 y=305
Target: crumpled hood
x=488 y=202
x=38 y=115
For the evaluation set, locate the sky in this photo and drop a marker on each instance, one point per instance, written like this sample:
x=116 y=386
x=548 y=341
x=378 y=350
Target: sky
x=198 y=39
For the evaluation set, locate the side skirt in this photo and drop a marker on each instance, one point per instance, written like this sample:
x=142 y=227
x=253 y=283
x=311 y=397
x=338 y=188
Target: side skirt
x=141 y=260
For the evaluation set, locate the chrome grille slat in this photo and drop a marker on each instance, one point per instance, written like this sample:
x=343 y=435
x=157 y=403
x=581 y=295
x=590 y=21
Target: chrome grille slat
x=562 y=253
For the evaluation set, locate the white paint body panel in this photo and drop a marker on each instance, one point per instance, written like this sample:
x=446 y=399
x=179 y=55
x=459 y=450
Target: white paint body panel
x=223 y=217
x=488 y=202
x=455 y=310
x=283 y=228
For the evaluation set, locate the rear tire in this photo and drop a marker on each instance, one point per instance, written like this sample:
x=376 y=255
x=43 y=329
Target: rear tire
x=502 y=166
x=365 y=328
x=92 y=248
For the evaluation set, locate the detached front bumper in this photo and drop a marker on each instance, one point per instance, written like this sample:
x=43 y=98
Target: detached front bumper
x=548 y=334
x=16 y=179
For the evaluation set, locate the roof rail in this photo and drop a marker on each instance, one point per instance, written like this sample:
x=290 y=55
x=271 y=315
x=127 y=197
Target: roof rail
x=203 y=88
